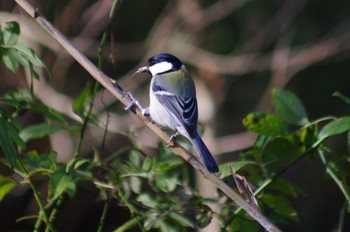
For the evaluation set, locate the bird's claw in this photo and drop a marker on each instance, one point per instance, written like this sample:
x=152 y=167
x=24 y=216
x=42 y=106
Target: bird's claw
x=145 y=111
x=172 y=138
x=132 y=103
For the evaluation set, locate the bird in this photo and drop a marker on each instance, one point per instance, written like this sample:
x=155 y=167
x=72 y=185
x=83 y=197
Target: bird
x=173 y=102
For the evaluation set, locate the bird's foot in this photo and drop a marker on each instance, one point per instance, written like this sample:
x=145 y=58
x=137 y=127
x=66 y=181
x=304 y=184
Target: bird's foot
x=133 y=102
x=172 y=139
x=145 y=111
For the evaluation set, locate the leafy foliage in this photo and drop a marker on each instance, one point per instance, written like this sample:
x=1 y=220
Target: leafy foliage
x=6 y=184
x=280 y=146
x=335 y=127
x=13 y=53
x=9 y=137
x=289 y=107
x=157 y=190
x=265 y=124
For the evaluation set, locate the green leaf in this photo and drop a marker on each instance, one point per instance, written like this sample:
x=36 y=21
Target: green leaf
x=32 y=71
x=285 y=187
x=12 y=126
x=135 y=157
x=61 y=183
x=166 y=184
x=8 y=133
x=151 y=218
x=14 y=53
x=265 y=124
x=45 y=161
x=163 y=226
x=237 y=165
x=260 y=142
x=147 y=200
x=280 y=205
x=147 y=164
x=81 y=99
x=47 y=112
x=22 y=100
x=38 y=131
x=169 y=164
x=289 y=107
x=10 y=59
x=180 y=219
x=28 y=54
x=6 y=184
x=80 y=162
x=128 y=169
x=17 y=98
x=240 y=224
x=307 y=136
x=335 y=127
x=11 y=33
x=135 y=184
x=278 y=152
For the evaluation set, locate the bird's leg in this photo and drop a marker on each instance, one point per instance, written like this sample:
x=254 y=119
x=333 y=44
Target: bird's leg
x=134 y=101
x=172 y=138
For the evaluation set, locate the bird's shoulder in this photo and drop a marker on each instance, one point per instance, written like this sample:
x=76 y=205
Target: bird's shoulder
x=178 y=82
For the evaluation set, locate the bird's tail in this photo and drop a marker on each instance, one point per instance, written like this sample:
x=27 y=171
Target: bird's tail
x=205 y=154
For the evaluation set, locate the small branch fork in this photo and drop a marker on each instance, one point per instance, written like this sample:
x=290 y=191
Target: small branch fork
x=125 y=99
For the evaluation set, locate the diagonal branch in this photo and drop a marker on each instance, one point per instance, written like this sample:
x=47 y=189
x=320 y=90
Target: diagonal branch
x=121 y=95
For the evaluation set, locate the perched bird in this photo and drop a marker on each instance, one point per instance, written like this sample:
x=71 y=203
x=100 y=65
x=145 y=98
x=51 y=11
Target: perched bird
x=173 y=102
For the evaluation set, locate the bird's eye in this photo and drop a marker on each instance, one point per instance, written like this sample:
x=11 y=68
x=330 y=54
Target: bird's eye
x=152 y=62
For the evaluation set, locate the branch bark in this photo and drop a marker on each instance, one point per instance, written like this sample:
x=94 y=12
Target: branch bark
x=120 y=94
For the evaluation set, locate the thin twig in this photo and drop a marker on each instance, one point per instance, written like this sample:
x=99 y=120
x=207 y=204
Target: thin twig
x=96 y=84
x=42 y=213
x=333 y=175
x=55 y=210
x=103 y=216
x=342 y=217
x=100 y=66
x=120 y=94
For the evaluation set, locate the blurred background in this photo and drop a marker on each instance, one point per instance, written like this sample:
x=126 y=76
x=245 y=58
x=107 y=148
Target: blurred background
x=236 y=50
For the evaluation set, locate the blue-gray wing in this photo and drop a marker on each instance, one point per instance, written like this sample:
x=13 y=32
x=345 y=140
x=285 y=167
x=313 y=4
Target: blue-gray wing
x=184 y=110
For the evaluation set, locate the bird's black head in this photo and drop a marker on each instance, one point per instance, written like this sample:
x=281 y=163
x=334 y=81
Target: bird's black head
x=163 y=63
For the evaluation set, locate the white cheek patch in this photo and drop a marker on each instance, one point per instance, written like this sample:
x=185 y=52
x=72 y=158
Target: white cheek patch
x=160 y=68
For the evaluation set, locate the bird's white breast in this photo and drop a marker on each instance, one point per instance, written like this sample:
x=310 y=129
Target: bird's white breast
x=158 y=113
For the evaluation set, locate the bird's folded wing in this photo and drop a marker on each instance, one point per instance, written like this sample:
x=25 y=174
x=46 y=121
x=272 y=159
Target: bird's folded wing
x=184 y=110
